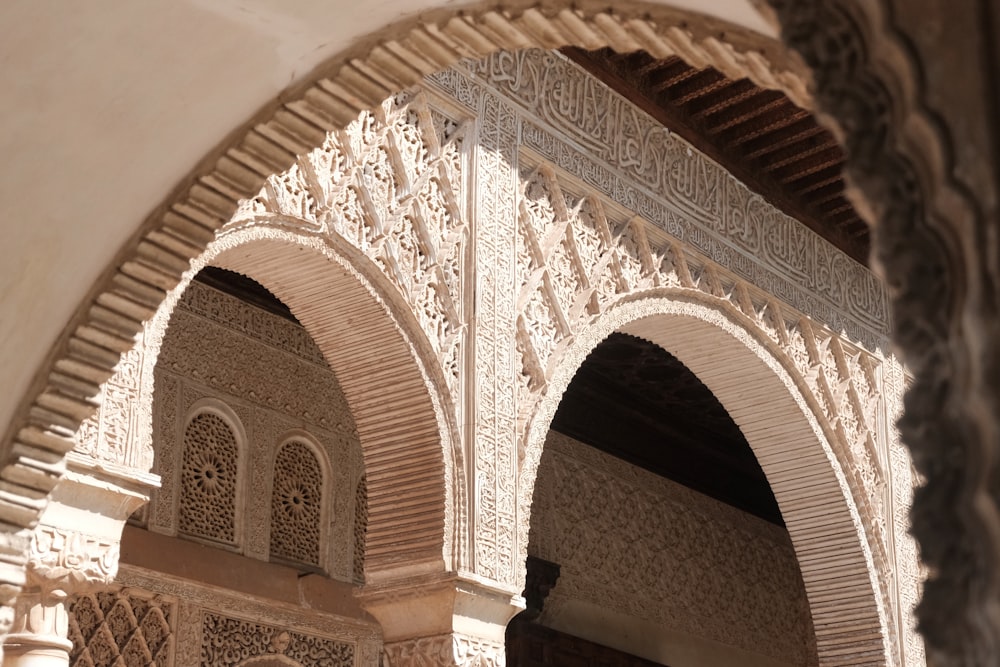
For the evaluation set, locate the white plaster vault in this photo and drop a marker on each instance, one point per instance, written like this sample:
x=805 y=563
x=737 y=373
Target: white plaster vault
x=453 y=256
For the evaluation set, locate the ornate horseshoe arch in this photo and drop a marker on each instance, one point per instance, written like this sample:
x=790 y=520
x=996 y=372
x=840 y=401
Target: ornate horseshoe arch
x=155 y=261
x=760 y=388
x=296 y=264
x=411 y=523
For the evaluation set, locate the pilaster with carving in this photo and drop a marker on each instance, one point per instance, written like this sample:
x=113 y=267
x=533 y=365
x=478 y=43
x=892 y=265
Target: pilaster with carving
x=63 y=560
x=441 y=622
x=494 y=387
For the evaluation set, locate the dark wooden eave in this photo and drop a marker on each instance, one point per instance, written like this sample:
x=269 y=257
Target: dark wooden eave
x=776 y=148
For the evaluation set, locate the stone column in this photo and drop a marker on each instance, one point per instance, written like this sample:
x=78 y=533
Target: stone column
x=73 y=549
x=441 y=622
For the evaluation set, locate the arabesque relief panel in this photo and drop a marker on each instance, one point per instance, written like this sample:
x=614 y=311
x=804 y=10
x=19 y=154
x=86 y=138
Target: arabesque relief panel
x=147 y=618
x=599 y=218
x=391 y=184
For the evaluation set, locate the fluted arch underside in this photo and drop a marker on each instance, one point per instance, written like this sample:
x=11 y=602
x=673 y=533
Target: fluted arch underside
x=386 y=388
x=760 y=391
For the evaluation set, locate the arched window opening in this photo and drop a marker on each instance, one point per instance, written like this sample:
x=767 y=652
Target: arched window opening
x=296 y=505
x=209 y=480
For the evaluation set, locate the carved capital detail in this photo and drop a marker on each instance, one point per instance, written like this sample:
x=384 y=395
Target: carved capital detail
x=70 y=561
x=449 y=650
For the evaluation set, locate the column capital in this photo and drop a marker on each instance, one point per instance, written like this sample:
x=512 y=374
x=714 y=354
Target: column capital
x=441 y=620
x=64 y=560
x=70 y=561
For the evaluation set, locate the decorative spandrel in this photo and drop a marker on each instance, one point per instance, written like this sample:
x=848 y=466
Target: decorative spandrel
x=392 y=185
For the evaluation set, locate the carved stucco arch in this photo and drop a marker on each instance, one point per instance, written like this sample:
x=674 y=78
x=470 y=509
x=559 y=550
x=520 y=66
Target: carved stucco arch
x=394 y=390
x=866 y=81
x=773 y=407
x=344 y=310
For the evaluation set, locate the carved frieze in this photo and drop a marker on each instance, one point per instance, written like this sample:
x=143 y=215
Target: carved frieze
x=70 y=560
x=451 y=650
x=618 y=150
x=228 y=642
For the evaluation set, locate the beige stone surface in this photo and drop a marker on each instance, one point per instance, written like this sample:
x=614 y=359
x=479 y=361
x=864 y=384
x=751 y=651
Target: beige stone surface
x=660 y=571
x=204 y=564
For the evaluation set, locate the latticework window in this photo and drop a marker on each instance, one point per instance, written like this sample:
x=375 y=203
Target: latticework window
x=296 y=504
x=209 y=480
x=360 y=528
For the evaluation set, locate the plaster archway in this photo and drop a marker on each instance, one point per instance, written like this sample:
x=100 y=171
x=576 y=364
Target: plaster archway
x=897 y=154
x=408 y=496
x=771 y=405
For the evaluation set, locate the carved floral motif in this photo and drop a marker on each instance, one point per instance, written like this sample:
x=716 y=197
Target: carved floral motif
x=228 y=642
x=210 y=479
x=296 y=502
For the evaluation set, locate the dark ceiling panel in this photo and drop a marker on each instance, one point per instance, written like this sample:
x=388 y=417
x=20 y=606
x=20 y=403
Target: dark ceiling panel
x=244 y=288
